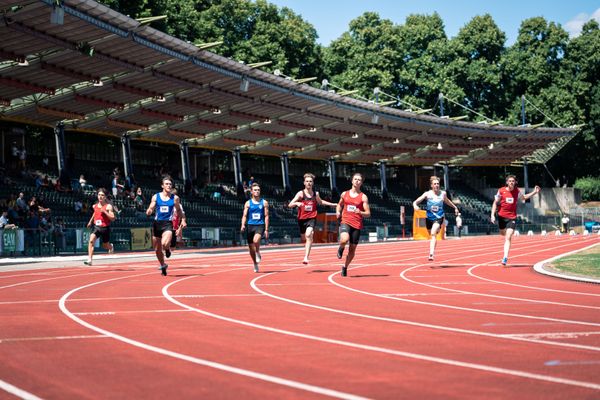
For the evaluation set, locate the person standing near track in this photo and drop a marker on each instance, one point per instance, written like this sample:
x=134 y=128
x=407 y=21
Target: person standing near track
x=307 y=200
x=166 y=205
x=435 y=211
x=352 y=208
x=100 y=221
x=506 y=201
x=256 y=215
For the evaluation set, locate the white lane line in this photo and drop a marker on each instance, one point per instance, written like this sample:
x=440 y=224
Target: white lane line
x=5 y=303
x=15 y=391
x=28 y=339
x=417 y=356
x=128 y=312
x=538 y=267
x=554 y=335
x=196 y=360
x=525 y=300
x=415 y=294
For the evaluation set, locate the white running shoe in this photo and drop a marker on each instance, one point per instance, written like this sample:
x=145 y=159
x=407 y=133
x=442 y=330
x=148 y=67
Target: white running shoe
x=305 y=261
x=255 y=267
x=258 y=257
x=88 y=262
x=430 y=257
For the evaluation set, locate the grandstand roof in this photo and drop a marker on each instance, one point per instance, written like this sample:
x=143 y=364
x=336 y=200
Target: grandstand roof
x=103 y=72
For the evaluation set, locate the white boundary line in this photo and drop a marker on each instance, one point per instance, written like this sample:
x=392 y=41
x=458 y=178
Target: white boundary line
x=539 y=267
x=20 y=393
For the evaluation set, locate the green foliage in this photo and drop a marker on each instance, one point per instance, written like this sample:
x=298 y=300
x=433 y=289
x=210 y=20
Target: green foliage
x=590 y=188
x=415 y=61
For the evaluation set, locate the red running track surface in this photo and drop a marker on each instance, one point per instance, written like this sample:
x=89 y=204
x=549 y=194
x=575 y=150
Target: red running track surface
x=397 y=327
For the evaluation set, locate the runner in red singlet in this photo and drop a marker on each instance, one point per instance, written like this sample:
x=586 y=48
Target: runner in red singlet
x=506 y=201
x=307 y=200
x=352 y=207
x=101 y=218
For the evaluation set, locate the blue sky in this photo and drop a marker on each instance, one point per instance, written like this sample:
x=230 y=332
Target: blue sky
x=331 y=17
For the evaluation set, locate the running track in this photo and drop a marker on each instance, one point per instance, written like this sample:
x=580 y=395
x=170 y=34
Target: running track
x=396 y=327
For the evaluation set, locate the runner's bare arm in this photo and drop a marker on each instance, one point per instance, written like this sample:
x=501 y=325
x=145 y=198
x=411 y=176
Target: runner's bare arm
x=110 y=212
x=324 y=202
x=152 y=206
x=295 y=202
x=245 y=215
x=367 y=212
x=418 y=200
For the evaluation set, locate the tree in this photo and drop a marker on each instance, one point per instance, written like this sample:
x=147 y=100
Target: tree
x=478 y=48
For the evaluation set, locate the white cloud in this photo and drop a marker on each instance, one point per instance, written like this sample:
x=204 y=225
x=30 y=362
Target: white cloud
x=575 y=25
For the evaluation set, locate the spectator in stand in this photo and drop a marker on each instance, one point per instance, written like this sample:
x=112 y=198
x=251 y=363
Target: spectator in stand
x=82 y=182
x=45 y=163
x=12 y=201
x=78 y=206
x=5 y=221
x=23 y=158
x=14 y=152
x=22 y=204
x=39 y=182
x=32 y=228
x=117 y=188
x=59 y=234
x=13 y=216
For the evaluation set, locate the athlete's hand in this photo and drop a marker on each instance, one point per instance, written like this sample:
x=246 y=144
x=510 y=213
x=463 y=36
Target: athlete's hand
x=417 y=208
x=266 y=234
x=493 y=219
x=243 y=228
x=148 y=212
x=537 y=189
x=456 y=212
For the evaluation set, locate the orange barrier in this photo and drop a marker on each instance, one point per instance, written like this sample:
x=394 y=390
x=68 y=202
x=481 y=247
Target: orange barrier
x=420 y=229
x=326 y=230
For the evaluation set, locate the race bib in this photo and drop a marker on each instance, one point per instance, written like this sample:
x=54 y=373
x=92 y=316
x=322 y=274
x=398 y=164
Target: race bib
x=255 y=215
x=510 y=200
x=308 y=207
x=164 y=209
x=435 y=208
x=351 y=208
x=98 y=222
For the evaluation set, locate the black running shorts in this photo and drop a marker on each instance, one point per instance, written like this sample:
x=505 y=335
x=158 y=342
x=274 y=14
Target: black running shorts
x=353 y=232
x=306 y=223
x=160 y=227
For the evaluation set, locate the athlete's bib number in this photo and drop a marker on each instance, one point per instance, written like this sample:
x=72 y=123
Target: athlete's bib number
x=256 y=216
x=510 y=200
x=435 y=208
x=98 y=222
x=164 y=209
x=308 y=207
x=351 y=208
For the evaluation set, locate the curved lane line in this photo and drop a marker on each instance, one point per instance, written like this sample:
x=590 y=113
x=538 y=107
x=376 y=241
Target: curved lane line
x=196 y=360
x=537 y=267
x=421 y=357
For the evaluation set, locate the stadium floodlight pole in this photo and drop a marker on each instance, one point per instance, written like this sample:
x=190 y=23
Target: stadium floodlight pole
x=237 y=169
x=205 y=46
x=59 y=137
x=285 y=173
x=441 y=100
x=382 y=177
x=332 y=177
x=126 y=153
x=525 y=175
x=185 y=166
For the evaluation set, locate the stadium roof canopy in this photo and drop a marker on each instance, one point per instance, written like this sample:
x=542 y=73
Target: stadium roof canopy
x=100 y=71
